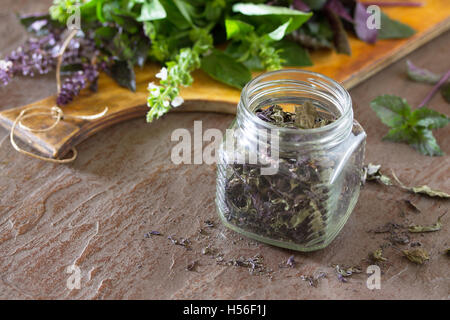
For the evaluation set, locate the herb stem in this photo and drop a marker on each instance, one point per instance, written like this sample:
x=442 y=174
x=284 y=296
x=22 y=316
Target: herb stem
x=435 y=89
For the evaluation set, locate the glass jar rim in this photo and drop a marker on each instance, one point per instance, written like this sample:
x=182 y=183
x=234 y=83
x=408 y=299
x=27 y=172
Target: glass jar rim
x=347 y=105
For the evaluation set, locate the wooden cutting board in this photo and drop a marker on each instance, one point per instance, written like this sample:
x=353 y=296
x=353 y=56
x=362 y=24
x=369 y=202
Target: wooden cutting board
x=211 y=96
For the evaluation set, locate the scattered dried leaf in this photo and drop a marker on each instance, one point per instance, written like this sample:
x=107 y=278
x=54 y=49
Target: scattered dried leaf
x=426 y=190
x=418 y=256
x=377 y=255
x=372 y=172
x=434 y=227
x=314 y=280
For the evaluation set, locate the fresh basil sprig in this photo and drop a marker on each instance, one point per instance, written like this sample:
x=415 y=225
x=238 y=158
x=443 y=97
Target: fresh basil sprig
x=411 y=126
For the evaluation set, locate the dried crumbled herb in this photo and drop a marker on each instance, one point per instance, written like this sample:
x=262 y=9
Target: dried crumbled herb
x=192 y=266
x=418 y=256
x=343 y=272
x=254 y=264
x=306 y=116
x=447 y=252
x=292 y=205
x=434 y=227
x=372 y=172
x=426 y=190
x=291 y=262
x=377 y=255
x=314 y=279
x=152 y=233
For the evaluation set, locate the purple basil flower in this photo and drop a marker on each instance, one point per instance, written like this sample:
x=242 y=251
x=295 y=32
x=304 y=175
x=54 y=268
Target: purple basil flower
x=72 y=85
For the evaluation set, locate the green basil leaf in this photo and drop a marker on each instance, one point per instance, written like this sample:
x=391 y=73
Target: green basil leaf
x=279 y=15
x=393 y=29
x=293 y=54
x=279 y=32
x=237 y=28
x=152 y=10
x=224 y=68
x=392 y=110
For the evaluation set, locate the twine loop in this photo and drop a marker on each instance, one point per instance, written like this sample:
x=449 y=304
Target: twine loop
x=54 y=112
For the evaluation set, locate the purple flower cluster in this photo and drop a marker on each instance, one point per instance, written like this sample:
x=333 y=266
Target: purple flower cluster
x=34 y=57
x=6 y=72
x=72 y=85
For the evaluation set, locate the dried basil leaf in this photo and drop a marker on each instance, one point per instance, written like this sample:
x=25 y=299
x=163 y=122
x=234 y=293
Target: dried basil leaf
x=372 y=172
x=434 y=227
x=314 y=280
x=426 y=190
x=418 y=256
x=377 y=255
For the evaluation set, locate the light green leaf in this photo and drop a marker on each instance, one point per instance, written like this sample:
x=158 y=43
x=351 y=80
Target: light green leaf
x=279 y=32
x=392 y=110
x=393 y=29
x=237 y=28
x=152 y=10
x=282 y=13
x=224 y=68
x=293 y=54
x=428 y=118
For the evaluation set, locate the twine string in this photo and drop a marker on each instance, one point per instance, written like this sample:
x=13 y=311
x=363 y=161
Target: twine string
x=54 y=112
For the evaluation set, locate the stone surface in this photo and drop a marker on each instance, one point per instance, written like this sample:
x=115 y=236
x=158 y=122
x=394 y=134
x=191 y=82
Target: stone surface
x=96 y=212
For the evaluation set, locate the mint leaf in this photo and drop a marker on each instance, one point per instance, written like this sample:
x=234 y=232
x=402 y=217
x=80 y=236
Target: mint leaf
x=413 y=127
x=398 y=135
x=392 y=110
x=426 y=143
x=224 y=68
x=428 y=118
x=393 y=29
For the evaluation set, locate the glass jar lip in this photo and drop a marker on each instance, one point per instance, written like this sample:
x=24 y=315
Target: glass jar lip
x=347 y=106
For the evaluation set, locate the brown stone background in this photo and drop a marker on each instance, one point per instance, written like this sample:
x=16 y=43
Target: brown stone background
x=95 y=212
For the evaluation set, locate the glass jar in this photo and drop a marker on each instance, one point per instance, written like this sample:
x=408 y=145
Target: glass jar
x=289 y=187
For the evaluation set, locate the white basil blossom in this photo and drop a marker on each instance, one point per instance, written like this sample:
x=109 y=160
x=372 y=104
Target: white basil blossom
x=5 y=65
x=162 y=74
x=153 y=89
x=177 y=101
x=166 y=103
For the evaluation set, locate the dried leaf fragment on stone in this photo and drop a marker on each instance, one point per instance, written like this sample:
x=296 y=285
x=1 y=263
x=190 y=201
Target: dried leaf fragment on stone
x=426 y=190
x=343 y=272
x=314 y=280
x=372 y=172
x=434 y=227
x=418 y=256
x=377 y=255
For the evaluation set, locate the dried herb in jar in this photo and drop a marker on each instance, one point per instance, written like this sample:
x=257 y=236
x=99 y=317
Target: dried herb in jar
x=292 y=205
